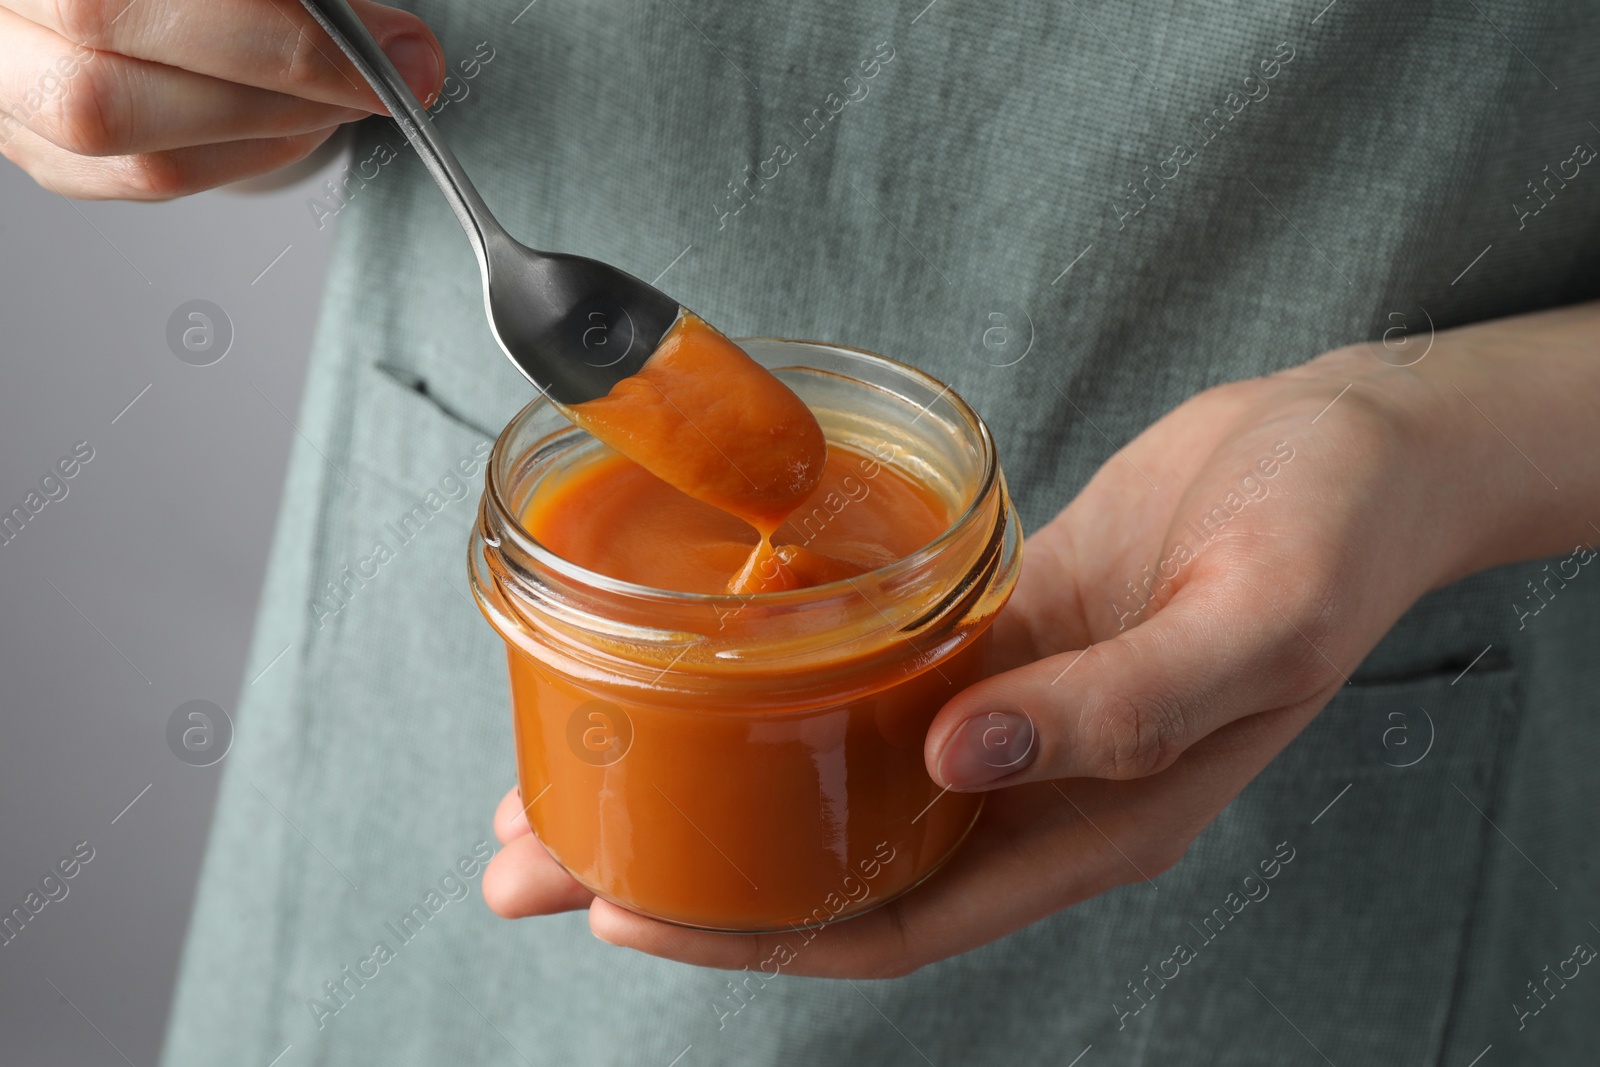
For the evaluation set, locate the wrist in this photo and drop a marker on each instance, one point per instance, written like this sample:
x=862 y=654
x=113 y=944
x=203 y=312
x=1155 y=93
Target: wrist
x=1468 y=474
x=1504 y=410
x=1423 y=446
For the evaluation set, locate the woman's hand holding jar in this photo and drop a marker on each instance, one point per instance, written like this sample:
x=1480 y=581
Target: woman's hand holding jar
x=1198 y=603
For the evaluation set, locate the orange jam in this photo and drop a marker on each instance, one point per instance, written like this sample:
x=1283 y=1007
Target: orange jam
x=612 y=516
x=706 y=418
x=730 y=625
x=744 y=814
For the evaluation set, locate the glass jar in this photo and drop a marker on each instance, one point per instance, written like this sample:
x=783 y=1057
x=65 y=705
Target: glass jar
x=752 y=762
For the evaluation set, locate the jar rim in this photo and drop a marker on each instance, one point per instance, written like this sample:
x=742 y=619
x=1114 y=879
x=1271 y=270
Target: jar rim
x=511 y=523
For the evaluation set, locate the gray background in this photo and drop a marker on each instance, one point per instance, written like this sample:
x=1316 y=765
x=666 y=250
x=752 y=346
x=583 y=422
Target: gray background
x=156 y=555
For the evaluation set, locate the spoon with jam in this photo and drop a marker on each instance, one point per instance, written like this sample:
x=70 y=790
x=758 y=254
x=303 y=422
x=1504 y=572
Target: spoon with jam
x=625 y=361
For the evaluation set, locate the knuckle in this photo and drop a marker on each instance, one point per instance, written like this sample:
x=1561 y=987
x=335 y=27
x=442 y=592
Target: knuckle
x=306 y=70
x=1305 y=657
x=1294 y=629
x=1139 y=734
x=1379 y=418
x=156 y=176
x=88 y=22
x=86 y=115
x=1298 y=667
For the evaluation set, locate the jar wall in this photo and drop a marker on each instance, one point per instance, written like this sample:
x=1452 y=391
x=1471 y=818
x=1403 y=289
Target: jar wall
x=740 y=820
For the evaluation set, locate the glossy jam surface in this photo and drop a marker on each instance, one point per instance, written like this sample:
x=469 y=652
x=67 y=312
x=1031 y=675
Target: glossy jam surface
x=706 y=418
x=611 y=516
x=732 y=817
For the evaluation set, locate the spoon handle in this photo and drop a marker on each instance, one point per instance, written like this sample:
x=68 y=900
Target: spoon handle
x=356 y=41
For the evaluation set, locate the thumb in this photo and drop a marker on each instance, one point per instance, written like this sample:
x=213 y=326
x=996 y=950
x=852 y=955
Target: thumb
x=1128 y=706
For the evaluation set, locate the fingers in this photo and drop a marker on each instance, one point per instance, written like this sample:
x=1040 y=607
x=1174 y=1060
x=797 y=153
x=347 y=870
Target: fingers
x=153 y=175
x=510 y=820
x=524 y=880
x=110 y=105
x=1128 y=706
x=1037 y=848
x=169 y=97
x=991 y=886
x=269 y=44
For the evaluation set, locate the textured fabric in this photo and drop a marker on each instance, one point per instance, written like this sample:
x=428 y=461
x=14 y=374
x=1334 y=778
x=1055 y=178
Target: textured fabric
x=993 y=147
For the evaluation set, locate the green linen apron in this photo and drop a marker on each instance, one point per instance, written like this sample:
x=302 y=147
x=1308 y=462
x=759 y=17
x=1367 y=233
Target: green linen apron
x=1077 y=213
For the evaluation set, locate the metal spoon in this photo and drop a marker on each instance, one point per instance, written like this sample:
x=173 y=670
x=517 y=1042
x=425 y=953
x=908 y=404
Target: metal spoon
x=573 y=326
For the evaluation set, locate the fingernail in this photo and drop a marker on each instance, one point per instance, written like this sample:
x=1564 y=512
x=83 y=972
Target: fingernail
x=417 y=63
x=987 y=747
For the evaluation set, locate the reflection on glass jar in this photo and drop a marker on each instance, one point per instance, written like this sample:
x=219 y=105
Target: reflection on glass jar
x=752 y=762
